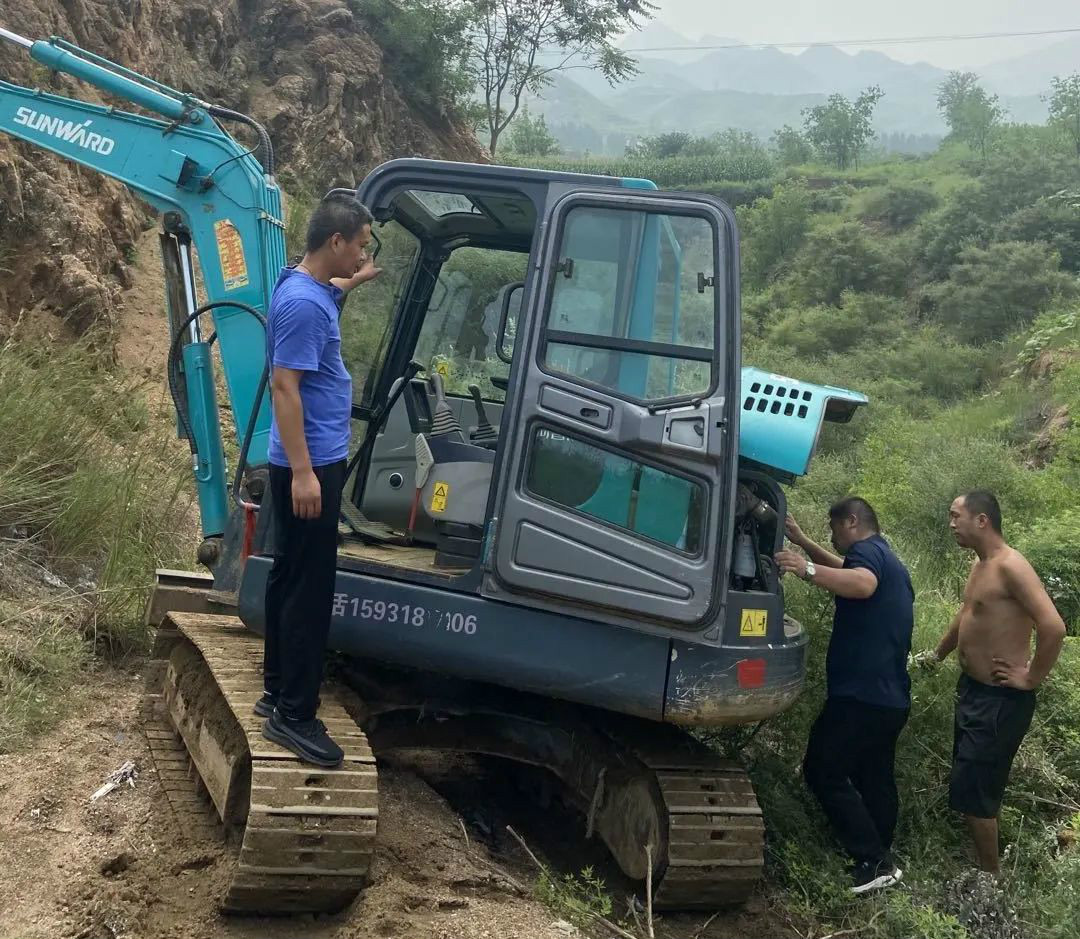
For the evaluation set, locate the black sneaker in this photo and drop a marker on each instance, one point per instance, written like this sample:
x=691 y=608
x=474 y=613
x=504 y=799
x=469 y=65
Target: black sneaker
x=264 y=707
x=307 y=739
x=868 y=876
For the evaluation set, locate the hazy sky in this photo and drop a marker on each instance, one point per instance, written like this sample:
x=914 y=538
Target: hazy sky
x=802 y=20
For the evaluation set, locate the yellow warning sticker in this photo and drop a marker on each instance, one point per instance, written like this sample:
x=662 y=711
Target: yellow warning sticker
x=754 y=623
x=443 y=368
x=439 y=497
x=230 y=248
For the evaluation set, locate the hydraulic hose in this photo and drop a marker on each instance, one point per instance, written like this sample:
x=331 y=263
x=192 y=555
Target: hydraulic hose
x=173 y=370
x=266 y=147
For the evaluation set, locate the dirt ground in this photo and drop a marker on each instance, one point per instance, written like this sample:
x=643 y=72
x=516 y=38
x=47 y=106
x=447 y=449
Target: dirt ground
x=121 y=867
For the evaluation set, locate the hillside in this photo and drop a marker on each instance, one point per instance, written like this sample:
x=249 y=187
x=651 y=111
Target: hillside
x=307 y=69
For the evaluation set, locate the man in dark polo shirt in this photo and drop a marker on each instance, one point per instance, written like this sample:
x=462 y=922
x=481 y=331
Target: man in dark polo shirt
x=849 y=764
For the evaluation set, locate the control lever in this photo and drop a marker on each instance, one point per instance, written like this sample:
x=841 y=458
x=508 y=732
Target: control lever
x=444 y=423
x=484 y=432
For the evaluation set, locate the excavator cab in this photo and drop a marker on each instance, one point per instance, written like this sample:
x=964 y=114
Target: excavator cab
x=562 y=352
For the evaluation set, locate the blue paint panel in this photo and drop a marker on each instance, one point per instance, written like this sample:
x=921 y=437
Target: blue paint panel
x=780 y=418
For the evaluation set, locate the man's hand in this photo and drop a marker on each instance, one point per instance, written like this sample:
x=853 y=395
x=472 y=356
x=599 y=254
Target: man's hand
x=793 y=531
x=367 y=271
x=1011 y=675
x=306 y=494
x=791 y=563
x=927 y=660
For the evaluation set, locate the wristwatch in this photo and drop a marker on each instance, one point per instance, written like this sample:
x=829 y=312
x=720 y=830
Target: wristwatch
x=811 y=570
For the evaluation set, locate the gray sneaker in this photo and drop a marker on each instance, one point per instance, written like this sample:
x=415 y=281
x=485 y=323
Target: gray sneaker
x=307 y=739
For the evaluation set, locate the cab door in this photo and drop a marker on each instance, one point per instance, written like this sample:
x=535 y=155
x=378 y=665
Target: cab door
x=618 y=466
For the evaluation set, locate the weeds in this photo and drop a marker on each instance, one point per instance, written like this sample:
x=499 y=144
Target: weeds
x=93 y=498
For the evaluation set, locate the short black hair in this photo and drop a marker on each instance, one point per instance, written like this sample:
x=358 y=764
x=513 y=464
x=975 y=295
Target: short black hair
x=337 y=214
x=862 y=510
x=984 y=502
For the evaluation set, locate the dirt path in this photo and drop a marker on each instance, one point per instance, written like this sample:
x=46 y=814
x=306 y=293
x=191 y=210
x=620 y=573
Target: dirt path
x=120 y=868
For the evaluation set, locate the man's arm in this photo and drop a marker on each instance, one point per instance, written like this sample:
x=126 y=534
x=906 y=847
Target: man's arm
x=1028 y=591
x=952 y=636
x=289 y=414
x=367 y=271
x=855 y=583
x=818 y=554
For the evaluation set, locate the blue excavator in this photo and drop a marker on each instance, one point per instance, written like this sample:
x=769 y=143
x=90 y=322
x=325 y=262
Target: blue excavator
x=563 y=499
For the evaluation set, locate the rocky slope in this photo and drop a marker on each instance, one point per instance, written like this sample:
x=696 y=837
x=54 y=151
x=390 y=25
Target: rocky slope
x=305 y=68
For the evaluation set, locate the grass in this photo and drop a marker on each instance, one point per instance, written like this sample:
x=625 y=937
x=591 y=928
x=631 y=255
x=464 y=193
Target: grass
x=93 y=497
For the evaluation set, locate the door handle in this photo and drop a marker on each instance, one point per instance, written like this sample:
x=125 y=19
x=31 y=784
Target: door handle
x=590 y=413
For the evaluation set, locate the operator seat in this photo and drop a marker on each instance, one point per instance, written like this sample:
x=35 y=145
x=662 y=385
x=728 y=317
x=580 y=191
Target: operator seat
x=455 y=490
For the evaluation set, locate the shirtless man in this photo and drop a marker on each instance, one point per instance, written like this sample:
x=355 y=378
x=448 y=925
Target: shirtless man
x=1004 y=601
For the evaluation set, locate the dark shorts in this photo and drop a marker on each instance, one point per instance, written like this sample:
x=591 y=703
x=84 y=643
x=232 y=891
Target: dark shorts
x=990 y=723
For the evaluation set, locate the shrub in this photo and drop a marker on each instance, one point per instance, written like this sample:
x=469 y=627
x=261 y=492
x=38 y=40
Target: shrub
x=773 y=229
x=859 y=319
x=900 y=204
x=1052 y=545
x=845 y=256
x=1054 y=221
x=993 y=291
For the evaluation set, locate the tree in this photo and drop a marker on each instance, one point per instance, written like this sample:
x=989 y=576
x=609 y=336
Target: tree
x=1065 y=108
x=791 y=146
x=530 y=136
x=840 y=129
x=972 y=115
x=509 y=55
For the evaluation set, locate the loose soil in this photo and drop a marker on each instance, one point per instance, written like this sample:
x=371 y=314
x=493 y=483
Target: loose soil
x=124 y=868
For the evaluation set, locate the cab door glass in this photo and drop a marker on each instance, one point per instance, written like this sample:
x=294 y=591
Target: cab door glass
x=633 y=305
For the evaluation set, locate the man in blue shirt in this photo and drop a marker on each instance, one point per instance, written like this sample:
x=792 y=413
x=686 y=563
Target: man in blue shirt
x=849 y=764
x=309 y=448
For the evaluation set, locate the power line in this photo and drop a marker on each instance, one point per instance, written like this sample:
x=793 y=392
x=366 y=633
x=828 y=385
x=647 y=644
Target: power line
x=898 y=40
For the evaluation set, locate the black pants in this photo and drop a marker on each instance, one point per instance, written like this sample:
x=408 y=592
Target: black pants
x=849 y=768
x=300 y=592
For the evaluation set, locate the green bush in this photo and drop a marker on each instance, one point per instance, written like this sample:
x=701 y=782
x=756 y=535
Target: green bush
x=773 y=230
x=1052 y=545
x=994 y=291
x=964 y=220
x=900 y=204
x=859 y=319
x=1054 y=221
x=846 y=256
x=423 y=43
x=735 y=193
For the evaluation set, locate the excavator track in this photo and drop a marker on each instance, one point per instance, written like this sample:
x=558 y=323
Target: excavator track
x=308 y=833
x=706 y=824
x=715 y=837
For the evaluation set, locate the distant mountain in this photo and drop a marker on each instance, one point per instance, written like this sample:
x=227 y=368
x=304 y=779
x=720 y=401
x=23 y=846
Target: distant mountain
x=761 y=89
x=839 y=71
x=1031 y=74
